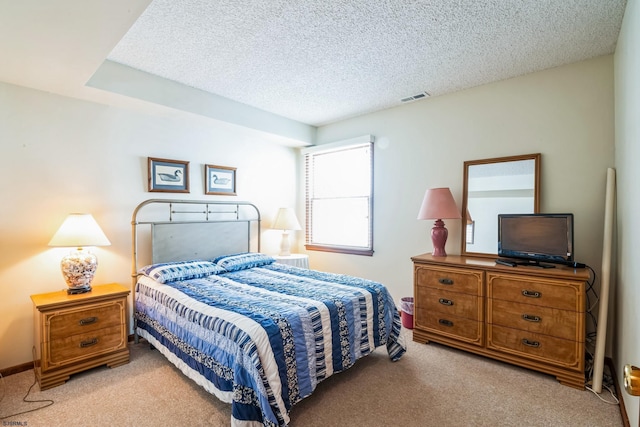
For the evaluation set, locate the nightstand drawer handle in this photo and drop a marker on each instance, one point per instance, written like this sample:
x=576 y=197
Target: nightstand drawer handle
x=445 y=281
x=531 y=294
x=528 y=343
x=531 y=318
x=88 y=343
x=88 y=321
x=445 y=322
x=444 y=301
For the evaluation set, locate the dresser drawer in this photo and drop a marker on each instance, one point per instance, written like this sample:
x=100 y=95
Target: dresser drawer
x=64 y=350
x=530 y=290
x=453 y=303
x=535 y=346
x=532 y=318
x=456 y=280
x=455 y=327
x=84 y=320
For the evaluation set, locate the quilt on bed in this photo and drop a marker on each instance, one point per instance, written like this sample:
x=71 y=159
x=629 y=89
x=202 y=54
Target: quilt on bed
x=263 y=335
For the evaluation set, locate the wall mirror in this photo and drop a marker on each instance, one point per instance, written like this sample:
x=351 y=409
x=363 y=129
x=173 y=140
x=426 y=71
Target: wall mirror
x=495 y=186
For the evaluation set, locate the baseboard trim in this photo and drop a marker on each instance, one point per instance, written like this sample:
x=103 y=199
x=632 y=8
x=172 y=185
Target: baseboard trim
x=16 y=369
x=616 y=384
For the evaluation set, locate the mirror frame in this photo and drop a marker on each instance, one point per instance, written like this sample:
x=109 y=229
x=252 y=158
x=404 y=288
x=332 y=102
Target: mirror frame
x=536 y=194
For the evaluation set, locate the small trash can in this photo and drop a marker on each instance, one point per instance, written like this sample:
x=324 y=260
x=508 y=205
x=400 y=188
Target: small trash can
x=406 y=312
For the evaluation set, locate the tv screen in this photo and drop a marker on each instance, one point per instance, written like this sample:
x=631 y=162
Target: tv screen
x=536 y=237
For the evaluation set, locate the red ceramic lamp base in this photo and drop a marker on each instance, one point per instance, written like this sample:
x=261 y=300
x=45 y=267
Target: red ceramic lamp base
x=439 y=236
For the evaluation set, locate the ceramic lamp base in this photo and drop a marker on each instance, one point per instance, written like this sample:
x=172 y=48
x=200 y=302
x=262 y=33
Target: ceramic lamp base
x=439 y=236
x=79 y=290
x=285 y=247
x=78 y=269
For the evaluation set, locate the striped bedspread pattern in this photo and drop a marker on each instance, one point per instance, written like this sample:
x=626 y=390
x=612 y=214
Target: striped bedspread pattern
x=263 y=338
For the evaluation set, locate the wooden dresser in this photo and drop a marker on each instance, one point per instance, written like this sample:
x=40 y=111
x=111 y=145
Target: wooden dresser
x=78 y=332
x=528 y=316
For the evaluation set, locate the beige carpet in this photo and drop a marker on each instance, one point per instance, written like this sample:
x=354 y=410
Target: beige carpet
x=431 y=385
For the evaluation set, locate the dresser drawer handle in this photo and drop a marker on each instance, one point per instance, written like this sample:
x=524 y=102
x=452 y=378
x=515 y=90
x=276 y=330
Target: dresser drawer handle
x=445 y=281
x=531 y=318
x=88 y=343
x=445 y=322
x=531 y=294
x=528 y=343
x=444 y=301
x=88 y=321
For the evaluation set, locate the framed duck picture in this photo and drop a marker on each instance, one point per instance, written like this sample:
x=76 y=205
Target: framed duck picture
x=220 y=180
x=169 y=176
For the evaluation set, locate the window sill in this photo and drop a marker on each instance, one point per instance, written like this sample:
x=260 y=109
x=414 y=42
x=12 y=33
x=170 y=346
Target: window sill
x=340 y=249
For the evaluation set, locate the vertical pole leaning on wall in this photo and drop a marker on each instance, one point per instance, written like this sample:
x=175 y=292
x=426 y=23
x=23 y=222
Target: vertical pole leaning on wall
x=601 y=332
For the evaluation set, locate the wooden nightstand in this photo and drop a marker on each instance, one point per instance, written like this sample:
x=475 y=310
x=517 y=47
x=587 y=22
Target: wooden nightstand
x=77 y=332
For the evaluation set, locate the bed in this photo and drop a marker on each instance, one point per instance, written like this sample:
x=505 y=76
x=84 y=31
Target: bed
x=255 y=333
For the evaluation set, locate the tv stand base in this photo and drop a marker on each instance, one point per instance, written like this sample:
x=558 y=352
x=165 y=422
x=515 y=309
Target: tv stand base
x=535 y=264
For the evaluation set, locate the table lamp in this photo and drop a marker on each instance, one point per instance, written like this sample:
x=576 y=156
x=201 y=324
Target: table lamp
x=438 y=203
x=79 y=267
x=286 y=220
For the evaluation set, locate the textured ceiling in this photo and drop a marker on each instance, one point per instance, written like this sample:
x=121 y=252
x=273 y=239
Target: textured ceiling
x=319 y=61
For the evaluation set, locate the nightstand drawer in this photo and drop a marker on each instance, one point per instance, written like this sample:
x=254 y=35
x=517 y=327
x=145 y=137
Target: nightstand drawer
x=85 y=320
x=88 y=344
x=456 y=280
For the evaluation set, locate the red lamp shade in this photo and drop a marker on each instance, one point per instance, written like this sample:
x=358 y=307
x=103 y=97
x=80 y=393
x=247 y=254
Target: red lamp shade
x=438 y=203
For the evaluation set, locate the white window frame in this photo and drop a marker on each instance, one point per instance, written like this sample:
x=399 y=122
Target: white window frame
x=308 y=154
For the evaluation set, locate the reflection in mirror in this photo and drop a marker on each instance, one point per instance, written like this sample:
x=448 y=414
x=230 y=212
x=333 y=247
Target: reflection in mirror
x=495 y=186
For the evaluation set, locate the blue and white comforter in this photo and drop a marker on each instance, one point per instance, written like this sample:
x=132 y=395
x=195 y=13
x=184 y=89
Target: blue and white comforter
x=262 y=338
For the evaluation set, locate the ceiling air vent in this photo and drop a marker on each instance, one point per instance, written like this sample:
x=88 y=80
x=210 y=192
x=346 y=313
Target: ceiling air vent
x=415 y=97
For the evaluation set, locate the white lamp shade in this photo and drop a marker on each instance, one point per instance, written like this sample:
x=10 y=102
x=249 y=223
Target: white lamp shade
x=438 y=203
x=79 y=230
x=286 y=220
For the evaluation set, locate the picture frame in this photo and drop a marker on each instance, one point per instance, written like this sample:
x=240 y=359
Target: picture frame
x=220 y=180
x=168 y=176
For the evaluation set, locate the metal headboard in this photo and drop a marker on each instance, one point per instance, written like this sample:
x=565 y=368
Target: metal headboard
x=180 y=230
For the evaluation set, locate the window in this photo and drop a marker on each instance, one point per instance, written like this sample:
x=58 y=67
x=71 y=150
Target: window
x=339 y=196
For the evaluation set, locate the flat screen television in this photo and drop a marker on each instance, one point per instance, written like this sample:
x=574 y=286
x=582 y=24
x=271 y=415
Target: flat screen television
x=536 y=238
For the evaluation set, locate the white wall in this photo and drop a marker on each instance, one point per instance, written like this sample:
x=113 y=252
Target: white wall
x=565 y=113
x=62 y=155
x=627 y=287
